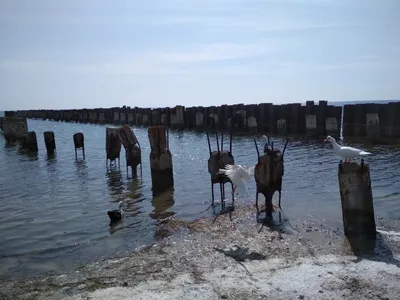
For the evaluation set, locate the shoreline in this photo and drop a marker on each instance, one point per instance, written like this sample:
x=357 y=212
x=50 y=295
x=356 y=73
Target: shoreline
x=205 y=260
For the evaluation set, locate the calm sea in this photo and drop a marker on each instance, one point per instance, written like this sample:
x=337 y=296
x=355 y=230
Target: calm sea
x=53 y=214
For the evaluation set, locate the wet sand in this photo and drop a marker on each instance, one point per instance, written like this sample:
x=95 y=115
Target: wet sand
x=238 y=259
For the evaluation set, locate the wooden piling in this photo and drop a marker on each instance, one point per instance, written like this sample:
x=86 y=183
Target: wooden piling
x=79 y=143
x=49 y=141
x=356 y=197
x=29 y=142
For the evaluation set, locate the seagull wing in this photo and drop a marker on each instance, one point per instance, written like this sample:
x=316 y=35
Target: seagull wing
x=245 y=173
x=234 y=174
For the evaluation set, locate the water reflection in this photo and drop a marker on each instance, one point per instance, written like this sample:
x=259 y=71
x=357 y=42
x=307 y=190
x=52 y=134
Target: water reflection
x=81 y=169
x=161 y=203
x=134 y=188
x=51 y=158
x=115 y=183
x=29 y=155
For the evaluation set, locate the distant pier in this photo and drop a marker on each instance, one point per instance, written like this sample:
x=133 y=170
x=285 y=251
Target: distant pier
x=311 y=120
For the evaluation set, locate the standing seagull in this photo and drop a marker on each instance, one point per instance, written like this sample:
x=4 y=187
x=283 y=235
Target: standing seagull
x=345 y=151
x=116 y=215
x=238 y=175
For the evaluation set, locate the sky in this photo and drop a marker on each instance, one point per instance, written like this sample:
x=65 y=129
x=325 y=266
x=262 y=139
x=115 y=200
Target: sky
x=95 y=53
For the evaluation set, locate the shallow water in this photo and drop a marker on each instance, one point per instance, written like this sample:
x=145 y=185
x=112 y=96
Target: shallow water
x=53 y=214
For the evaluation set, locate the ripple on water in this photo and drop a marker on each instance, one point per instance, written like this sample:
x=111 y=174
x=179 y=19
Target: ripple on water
x=54 y=208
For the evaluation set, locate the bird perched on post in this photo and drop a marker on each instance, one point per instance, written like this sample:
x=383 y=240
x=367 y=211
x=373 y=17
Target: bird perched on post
x=116 y=215
x=238 y=175
x=345 y=151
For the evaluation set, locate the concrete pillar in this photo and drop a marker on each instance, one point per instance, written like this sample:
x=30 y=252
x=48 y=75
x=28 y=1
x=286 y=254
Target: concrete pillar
x=199 y=118
x=178 y=117
x=188 y=117
x=280 y=119
x=160 y=158
x=50 y=142
x=131 y=119
x=115 y=116
x=145 y=118
x=356 y=197
x=311 y=119
x=14 y=129
x=359 y=128
x=394 y=112
x=156 y=117
x=294 y=126
x=79 y=143
x=122 y=117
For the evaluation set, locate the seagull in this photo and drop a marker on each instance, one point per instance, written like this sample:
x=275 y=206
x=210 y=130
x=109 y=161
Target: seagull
x=345 y=151
x=238 y=175
x=116 y=215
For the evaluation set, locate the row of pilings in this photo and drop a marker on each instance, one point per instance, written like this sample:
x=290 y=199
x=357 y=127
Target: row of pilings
x=354 y=179
x=359 y=120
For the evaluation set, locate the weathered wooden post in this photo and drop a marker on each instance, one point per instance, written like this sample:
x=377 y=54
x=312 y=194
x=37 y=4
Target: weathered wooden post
x=268 y=174
x=356 y=197
x=113 y=145
x=79 y=142
x=133 y=153
x=50 y=142
x=160 y=158
x=29 y=142
x=218 y=160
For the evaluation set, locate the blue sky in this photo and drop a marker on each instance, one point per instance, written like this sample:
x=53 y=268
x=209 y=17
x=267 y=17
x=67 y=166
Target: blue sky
x=97 y=53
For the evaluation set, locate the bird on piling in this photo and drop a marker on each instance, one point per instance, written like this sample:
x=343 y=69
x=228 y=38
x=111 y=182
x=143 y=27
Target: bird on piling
x=238 y=175
x=116 y=215
x=345 y=151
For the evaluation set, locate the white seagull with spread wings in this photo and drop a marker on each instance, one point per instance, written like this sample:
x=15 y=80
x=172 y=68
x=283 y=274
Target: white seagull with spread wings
x=238 y=175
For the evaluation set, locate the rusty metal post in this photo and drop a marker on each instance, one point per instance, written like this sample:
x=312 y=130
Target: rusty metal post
x=79 y=142
x=113 y=145
x=133 y=152
x=50 y=142
x=268 y=174
x=356 y=197
x=218 y=160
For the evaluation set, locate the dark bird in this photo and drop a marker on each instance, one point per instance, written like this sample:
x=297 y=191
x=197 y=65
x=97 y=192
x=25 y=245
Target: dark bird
x=116 y=215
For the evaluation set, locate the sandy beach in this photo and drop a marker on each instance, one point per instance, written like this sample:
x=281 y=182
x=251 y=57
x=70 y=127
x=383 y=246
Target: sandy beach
x=238 y=259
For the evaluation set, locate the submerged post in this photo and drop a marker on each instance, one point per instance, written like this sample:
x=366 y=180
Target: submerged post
x=218 y=160
x=29 y=141
x=79 y=142
x=133 y=153
x=268 y=174
x=50 y=142
x=113 y=145
x=356 y=197
x=160 y=158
